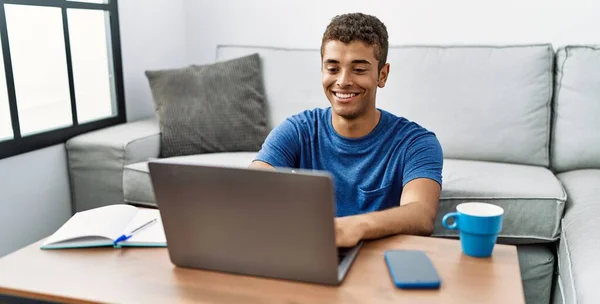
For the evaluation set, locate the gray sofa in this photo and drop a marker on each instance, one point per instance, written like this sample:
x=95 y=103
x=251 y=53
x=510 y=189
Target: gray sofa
x=518 y=125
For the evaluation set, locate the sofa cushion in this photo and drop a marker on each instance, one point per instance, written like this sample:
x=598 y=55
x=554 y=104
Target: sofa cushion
x=531 y=196
x=491 y=103
x=137 y=186
x=575 y=136
x=218 y=107
x=579 y=246
x=483 y=103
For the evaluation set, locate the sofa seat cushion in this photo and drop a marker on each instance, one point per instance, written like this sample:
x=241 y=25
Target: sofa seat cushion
x=531 y=196
x=137 y=186
x=579 y=246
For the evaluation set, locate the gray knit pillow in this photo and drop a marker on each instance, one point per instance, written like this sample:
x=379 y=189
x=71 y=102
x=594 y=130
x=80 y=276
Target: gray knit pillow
x=218 y=107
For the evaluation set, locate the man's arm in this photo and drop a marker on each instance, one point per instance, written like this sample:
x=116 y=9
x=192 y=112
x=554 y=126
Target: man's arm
x=261 y=165
x=415 y=215
x=280 y=149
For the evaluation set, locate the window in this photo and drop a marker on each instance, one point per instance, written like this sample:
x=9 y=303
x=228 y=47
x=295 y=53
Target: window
x=92 y=73
x=62 y=71
x=37 y=50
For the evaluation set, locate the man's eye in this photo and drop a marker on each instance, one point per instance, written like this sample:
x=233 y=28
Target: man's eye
x=360 y=70
x=332 y=70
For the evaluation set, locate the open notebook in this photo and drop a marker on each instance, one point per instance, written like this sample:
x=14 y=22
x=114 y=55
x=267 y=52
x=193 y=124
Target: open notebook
x=102 y=226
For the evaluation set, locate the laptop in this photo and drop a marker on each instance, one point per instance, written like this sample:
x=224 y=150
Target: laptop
x=268 y=223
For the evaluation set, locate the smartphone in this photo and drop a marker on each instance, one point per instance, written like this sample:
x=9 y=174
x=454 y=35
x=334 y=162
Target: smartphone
x=411 y=269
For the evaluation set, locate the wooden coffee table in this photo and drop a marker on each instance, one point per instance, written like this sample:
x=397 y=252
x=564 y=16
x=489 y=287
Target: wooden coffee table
x=146 y=275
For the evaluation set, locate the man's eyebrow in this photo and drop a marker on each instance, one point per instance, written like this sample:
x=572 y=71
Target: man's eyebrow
x=361 y=61
x=356 y=61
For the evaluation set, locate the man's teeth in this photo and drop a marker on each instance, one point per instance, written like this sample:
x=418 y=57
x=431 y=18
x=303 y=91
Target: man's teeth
x=345 y=96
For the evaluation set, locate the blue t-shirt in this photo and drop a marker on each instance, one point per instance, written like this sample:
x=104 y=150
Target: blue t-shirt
x=369 y=172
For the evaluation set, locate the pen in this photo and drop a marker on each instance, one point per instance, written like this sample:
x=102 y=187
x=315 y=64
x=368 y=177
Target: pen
x=125 y=237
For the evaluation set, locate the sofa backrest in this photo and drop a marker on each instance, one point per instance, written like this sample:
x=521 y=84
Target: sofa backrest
x=484 y=103
x=292 y=78
x=576 y=129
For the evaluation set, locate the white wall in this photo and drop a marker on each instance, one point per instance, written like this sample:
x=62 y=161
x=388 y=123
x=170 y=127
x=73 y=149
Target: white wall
x=153 y=36
x=34 y=196
x=162 y=34
x=300 y=23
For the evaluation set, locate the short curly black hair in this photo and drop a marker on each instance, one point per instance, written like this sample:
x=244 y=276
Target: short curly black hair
x=362 y=27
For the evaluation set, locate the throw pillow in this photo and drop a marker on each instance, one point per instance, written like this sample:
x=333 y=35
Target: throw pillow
x=218 y=107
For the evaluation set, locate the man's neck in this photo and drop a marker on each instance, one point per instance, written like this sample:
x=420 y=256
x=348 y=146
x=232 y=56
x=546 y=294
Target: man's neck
x=358 y=127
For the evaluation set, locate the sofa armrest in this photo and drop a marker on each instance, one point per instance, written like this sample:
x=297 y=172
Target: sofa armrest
x=579 y=248
x=96 y=161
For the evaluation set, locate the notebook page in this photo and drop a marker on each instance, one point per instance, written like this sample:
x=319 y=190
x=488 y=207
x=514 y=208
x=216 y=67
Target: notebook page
x=107 y=222
x=152 y=234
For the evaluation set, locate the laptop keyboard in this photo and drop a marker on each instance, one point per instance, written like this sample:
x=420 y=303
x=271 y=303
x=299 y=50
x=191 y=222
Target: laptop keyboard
x=342 y=252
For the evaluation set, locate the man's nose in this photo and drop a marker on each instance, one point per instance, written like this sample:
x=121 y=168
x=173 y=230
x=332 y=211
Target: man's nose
x=344 y=79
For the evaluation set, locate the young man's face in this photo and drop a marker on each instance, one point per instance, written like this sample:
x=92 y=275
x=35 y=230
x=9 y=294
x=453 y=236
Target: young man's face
x=351 y=77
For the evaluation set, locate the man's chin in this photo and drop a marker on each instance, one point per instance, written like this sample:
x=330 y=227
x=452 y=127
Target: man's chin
x=346 y=114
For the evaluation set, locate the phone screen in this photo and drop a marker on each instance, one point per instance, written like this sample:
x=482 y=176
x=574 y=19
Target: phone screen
x=411 y=269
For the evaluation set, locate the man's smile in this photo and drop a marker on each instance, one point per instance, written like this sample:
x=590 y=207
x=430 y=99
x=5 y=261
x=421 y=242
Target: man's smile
x=344 y=97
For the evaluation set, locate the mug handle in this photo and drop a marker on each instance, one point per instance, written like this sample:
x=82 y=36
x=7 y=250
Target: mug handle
x=449 y=215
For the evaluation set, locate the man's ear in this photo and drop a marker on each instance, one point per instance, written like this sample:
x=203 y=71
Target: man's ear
x=383 y=75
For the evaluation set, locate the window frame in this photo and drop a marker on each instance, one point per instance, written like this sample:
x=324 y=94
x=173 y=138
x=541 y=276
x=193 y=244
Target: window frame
x=19 y=144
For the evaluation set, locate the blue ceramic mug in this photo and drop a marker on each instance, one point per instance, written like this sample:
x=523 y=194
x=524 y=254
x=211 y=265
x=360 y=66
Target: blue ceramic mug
x=479 y=225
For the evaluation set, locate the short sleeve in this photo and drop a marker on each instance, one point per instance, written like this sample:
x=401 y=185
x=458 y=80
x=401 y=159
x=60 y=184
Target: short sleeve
x=282 y=146
x=423 y=159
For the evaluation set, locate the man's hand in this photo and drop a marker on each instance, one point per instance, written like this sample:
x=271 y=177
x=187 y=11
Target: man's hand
x=349 y=230
x=415 y=216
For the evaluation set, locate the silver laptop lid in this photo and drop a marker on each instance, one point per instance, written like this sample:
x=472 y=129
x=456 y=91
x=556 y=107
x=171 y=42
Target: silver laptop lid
x=249 y=221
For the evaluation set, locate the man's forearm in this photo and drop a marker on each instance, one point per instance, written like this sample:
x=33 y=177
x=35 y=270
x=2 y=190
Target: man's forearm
x=408 y=219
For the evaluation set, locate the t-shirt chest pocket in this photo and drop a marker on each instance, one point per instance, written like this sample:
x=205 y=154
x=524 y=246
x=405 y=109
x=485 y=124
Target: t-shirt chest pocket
x=372 y=200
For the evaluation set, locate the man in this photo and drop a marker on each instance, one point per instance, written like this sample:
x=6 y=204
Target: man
x=387 y=170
